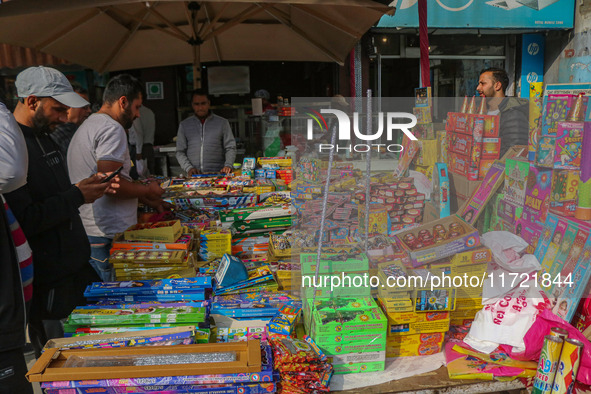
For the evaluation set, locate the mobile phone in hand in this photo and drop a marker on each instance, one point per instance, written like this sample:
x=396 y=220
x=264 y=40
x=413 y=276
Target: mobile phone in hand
x=114 y=174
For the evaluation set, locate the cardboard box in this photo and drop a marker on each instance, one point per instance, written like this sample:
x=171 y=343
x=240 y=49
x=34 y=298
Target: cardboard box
x=459 y=164
x=472 y=210
x=185 y=242
x=157 y=231
x=359 y=367
x=460 y=143
x=423 y=349
x=491 y=148
x=49 y=367
x=475 y=256
x=423 y=327
x=430 y=213
x=422 y=252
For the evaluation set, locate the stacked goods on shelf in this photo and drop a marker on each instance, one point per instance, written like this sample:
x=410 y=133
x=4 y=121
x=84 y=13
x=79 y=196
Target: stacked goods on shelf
x=473 y=143
x=255 y=276
x=141 y=264
x=214 y=244
x=287 y=272
x=172 y=369
x=417 y=316
x=138 y=305
x=350 y=331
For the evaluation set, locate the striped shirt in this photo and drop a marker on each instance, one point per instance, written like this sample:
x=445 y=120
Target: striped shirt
x=23 y=251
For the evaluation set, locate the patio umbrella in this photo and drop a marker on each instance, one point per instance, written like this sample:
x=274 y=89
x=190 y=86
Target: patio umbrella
x=108 y=35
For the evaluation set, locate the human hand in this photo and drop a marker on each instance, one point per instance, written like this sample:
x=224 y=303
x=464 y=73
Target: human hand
x=226 y=170
x=192 y=171
x=154 y=191
x=92 y=188
x=158 y=204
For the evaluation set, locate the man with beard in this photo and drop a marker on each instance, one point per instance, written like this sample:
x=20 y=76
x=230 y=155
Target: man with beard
x=513 y=111
x=100 y=144
x=47 y=205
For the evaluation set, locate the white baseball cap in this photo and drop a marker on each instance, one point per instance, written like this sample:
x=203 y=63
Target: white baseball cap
x=48 y=82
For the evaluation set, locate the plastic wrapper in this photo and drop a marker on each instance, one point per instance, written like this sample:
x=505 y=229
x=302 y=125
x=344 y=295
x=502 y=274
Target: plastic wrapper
x=76 y=361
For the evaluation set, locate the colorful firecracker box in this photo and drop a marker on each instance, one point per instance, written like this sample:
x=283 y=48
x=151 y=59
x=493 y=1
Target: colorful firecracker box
x=530 y=232
x=163 y=286
x=423 y=115
x=509 y=212
x=256 y=388
x=217 y=202
x=491 y=148
x=378 y=219
x=475 y=256
x=458 y=122
x=337 y=321
x=565 y=187
x=537 y=195
x=148 y=257
x=460 y=143
x=459 y=164
x=159 y=337
x=157 y=231
x=184 y=242
x=148 y=314
x=556 y=110
x=432 y=344
x=395 y=304
x=253 y=213
x=431 y=322
x=330 y=263
x=252 y=305
x=214 y=244
x=485 y=165
x=568 y=143
x=450 y=235
x=516 y=172
x=546 y=151
x=427 y=155
x=483 y=193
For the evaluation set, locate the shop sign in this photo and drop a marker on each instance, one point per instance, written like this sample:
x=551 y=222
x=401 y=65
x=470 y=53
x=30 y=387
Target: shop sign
x=532 y=61
x=538 y=14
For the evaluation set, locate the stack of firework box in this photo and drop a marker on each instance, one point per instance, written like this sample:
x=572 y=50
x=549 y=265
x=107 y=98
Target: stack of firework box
x=285 y=267
x=418 y=318
x=214 y=243
x=119 y=307
x=342 y=318
x=467 y=271
x=153 y=251
x=274 y=168
x=245 y=367
x=473 y=143
x=395 y=204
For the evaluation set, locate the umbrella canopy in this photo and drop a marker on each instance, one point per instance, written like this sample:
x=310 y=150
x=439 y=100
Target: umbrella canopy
x=115 y=35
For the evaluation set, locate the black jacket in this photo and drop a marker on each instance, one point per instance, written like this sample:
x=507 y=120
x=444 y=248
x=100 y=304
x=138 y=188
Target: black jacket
x=514 y=122
x=12 y=303
x=47 y=210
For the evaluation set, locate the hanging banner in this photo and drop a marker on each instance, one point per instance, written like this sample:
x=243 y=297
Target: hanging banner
x=532 y=61
x=539 y=14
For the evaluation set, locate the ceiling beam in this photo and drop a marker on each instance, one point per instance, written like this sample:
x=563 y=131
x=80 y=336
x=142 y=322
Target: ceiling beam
x=62 y=32
x=250 y=11
x=121 y=44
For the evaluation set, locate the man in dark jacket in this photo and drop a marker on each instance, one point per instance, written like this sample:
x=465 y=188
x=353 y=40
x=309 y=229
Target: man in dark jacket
x=16 y=270
x=513 y=111
x=47 y=206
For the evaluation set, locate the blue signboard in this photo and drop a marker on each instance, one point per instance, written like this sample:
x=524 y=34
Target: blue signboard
x=538 y=14
x=532 y=61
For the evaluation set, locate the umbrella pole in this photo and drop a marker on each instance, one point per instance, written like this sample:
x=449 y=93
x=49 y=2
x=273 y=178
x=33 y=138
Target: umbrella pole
x=196 y=66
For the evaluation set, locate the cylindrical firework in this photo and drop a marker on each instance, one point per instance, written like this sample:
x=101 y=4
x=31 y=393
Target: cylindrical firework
x=559 y=332
x=472 y=106
x=482 y=109
x=464 y=107
x=568 y=366
x=547 y=365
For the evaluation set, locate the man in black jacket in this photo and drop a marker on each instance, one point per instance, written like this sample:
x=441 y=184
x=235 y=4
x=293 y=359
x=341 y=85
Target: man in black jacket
x=13 y=172
x=47 y=206
x=514 y=112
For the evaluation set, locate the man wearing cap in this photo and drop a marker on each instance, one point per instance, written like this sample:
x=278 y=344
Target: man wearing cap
x=100 y=144
x=205 y=143
x=47 y=206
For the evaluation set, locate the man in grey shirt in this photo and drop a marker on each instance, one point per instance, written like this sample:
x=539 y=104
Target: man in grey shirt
x=205 y=143
x=100 y=144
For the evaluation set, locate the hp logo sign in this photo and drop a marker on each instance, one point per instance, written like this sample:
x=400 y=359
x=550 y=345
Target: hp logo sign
x=533 y=49
x=532 y=77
